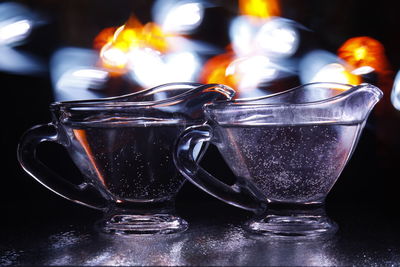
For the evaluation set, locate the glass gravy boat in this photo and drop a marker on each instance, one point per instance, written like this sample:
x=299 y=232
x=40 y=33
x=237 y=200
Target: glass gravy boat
x=286 y=150
x=123 y=146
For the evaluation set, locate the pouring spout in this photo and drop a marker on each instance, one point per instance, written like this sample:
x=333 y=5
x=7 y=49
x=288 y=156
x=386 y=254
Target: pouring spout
x=373 y=93
x=361 y=100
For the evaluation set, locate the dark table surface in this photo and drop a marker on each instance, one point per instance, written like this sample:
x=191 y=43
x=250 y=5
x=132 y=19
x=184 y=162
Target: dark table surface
x=40 y=228
x=62 y=233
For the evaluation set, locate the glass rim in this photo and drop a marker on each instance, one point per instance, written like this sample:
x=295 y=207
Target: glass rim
x=243 y=103
x=109 y=103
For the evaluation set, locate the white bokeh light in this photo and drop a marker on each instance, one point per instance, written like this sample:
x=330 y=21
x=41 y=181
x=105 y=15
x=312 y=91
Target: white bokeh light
x=333 y=72
x=113 y=56
x=277 y=38
x=15 y=31
x=395 y=95
x=150 y=68
x=252 y=71
x=242 y=33
x=184 y=17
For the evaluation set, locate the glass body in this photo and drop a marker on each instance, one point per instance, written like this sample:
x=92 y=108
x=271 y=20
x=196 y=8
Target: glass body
x=286 y=150
x=123 y=146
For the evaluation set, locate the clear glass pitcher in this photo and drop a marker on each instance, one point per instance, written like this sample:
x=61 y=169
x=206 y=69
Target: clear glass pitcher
x=286 y=150
x=123 y=147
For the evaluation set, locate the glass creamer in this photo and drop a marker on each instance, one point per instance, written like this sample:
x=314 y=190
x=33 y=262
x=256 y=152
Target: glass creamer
x=123 y=147
x=286 y=150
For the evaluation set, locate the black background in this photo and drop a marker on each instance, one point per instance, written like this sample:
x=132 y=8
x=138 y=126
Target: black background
x=371 y=178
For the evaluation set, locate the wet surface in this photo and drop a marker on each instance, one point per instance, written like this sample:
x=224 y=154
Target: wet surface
x=367 y=236
x=39 y=228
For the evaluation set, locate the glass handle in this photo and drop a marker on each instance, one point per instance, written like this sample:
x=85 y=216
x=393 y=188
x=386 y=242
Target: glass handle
x=27 y=157
x=242 y=194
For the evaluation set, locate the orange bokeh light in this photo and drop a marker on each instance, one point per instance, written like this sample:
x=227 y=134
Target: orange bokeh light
x=214 y=70
x=364 y=51
x=114 y=43
x=259 y=8
x=105 y=36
